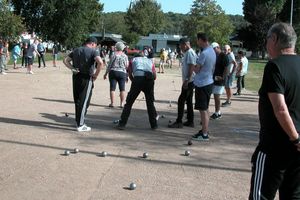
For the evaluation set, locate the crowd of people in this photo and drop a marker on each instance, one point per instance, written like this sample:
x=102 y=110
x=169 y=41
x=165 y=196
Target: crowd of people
x=276 y=160
x=27 y=53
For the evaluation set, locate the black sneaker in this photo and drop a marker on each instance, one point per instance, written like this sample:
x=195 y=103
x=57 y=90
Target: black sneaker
x=200 y=136
x=215 y=116
x=226 y=103
x=120 y=126
x=237 y=93
x=176 y=125
x=189 y=124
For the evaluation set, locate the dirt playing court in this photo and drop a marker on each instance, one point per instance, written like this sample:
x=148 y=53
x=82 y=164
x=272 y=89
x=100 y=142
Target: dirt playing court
x=34 y=133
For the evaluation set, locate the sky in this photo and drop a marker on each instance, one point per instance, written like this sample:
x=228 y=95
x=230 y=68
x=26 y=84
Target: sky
x=178 y=6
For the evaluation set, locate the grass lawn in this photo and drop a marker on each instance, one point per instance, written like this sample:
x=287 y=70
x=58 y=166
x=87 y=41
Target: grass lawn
x=255 y=72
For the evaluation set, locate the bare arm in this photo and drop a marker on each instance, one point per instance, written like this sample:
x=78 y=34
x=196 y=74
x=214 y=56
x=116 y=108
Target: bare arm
x=234 y=67
x=67 y=61
x=283 y=116
x=99 y=66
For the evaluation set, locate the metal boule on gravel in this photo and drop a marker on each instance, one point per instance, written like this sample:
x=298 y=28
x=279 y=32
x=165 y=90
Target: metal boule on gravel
x=67 y=152
x=163 y=116
x=104 y=154
x=190 y=142
x=66 y=114
x=76 y=150
x=132 y=186
x=170 y=121
x=116 y=121
x=145 y=155
x=187 y=153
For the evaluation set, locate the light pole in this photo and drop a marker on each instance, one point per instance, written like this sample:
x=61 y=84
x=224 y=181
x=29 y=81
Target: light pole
x=291 y=16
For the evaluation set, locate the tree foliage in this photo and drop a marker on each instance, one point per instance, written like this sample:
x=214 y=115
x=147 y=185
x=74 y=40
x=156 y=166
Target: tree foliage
x=144 y=17
x=67 y=22
x=206 y=16
x=261 y=14
x=285 y=14
x=174 y=23
x=10 y=24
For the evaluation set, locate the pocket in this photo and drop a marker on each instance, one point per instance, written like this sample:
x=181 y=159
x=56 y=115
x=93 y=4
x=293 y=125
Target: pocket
x=149 y=75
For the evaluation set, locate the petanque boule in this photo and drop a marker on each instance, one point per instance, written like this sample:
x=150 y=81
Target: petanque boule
x=132 y=186
x=187 y=153
x=163 y=116
x=67 y=152
x=76 y=150
x=190 y=142
x=170 y=121
x=145 y=155
x=104 y=154
x=66 y=114
x=116 y=121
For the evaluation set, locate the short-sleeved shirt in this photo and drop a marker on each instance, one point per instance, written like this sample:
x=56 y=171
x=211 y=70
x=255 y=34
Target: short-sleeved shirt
x=16 y=50
x=40 y=47
x=245 y=62
x=32 y=48
x=207 y=61
x=189 y=58
x=281 y=75
x=231 y=58
x=221 y=64
x=140 y=65
x=55 y=49
x=83 y=59
x=118 y=62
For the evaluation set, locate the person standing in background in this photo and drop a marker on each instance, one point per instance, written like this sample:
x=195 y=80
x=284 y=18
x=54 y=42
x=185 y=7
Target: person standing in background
x=41 y=49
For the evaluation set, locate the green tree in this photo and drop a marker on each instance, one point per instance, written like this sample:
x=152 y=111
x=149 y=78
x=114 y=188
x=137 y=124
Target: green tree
x=10 y=24
x=114 y=22
x=173 y=23
x=261 y=14
x=67 y=22
x=285 y=15
x=206 y=16
x=144 y=17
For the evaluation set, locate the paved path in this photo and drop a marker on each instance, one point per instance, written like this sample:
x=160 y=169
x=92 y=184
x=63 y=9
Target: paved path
x=34 y=132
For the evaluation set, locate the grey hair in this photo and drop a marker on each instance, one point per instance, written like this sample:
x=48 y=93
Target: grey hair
x=286 y=35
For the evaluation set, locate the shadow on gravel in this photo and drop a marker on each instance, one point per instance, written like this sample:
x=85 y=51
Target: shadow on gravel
x=128 y=157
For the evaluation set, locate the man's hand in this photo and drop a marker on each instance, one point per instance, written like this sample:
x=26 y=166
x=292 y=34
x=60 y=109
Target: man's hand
x=185 y=84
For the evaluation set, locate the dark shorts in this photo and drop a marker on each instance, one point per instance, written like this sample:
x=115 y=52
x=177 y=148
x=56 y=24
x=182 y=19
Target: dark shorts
x=30 y=60
x=202 y=97
x=117 y=77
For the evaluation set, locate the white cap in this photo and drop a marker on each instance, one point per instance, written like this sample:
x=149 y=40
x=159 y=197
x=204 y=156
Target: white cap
x=214 y=45
x=120 y=46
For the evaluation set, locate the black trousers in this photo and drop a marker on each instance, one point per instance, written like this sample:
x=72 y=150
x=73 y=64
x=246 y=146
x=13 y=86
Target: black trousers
x=24 y=61
x=140 y=83
x=82 y=93
x=271 y=173
x=41 y=57
x=186 y=95
x=240 y=83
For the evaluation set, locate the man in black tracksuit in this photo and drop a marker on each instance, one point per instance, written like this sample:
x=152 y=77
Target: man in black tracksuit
x=82 y=62
x=276 y=160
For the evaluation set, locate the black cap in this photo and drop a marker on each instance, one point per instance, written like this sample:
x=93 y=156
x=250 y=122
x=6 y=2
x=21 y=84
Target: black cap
x=184 y=40
x=91 y=40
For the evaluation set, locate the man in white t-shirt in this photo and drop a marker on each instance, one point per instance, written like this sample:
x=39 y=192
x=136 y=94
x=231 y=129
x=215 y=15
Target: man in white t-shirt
x=187 y=89
x=229 y=74
x=241 y=72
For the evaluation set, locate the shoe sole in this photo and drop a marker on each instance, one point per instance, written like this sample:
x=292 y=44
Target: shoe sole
x=200 y=139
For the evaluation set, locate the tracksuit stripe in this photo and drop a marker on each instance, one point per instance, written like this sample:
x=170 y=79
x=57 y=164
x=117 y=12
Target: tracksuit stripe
x=259 y=173
x=87 y=96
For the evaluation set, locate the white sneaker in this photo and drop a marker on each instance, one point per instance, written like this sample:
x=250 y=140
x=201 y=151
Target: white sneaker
x=30 y=72
x=3 y=73
x=84 y=128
